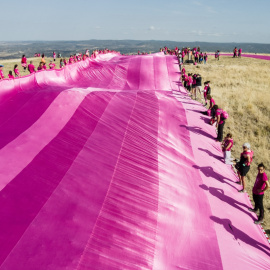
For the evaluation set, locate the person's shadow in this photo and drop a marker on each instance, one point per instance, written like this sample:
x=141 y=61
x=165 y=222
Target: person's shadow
x=240 y=235
x=209 y=172
x=211 y=154
x=198 y=130
x=219 y=193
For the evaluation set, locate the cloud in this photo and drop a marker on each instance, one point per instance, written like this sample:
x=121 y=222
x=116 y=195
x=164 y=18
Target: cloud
x=152 y=28
x=208 y=34
x=210 y=10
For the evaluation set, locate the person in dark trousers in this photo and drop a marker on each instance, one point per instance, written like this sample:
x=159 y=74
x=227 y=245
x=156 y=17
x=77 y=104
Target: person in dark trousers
x=260 y=186
x=220 y=123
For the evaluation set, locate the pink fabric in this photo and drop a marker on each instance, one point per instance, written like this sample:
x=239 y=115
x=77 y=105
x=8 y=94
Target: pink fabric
x=263 y=57
x=107 y=164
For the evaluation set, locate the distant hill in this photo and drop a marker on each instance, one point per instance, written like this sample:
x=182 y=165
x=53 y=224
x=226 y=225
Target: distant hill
x=9 y=50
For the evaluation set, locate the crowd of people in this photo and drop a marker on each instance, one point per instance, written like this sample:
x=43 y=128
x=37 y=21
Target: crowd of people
x=218 y=116
x=30 y=67
x=194 y=55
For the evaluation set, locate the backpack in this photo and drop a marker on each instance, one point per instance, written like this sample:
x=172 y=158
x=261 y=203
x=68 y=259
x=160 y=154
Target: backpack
x=251 y=153
x=224 y=115
x=251 y=157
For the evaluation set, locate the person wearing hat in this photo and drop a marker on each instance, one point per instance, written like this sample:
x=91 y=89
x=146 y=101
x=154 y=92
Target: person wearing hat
x=2 y=76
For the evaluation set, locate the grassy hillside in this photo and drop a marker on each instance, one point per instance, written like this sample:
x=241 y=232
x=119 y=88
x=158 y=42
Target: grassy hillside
x=241 y=87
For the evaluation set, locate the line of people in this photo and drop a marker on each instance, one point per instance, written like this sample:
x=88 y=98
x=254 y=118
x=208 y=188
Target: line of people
x=42 y=65
x=192 y=83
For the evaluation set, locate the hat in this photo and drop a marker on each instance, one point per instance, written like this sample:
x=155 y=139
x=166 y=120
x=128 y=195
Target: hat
x=1 y=66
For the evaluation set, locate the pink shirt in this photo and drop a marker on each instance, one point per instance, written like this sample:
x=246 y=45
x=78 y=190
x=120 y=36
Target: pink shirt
x=52 y=65
x=16 y=71
x=10 y=76
x=260 y=183
x=31 y=68
x=2 y=74
x=190 y=80
x=226 y=143
x=44 y=67
x=24 y=60
x=219 y=112
x=212 y=103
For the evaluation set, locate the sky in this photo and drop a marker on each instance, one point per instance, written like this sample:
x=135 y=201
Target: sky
x=176 y=20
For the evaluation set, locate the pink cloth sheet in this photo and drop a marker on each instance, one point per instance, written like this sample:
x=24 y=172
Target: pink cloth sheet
x=263 y=57
x=108 y=164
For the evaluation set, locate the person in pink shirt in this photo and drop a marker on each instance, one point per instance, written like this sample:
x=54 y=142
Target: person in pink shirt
x=10 y=75
x=54 y=56
x=71 y=60
x=260 y=186
x=189 y=82
x=220 y=123
x=65 y=61
x=51 y=65
x=24 y=62
x=226 y=149
x=16 y=71
x=2 y=76
x=31 y=67
x=206 y=91
x=40 y=67
x=44 y=67
x=239 y=52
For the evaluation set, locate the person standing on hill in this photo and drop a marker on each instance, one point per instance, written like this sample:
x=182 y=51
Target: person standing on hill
x=24 y=62
x=207 y=91
x=226 y=148
x=10 y=75
x=198 y=85
x=16 y=71
x=244 y=165
x=260 y=186
x=205 y=57
x=239 y=52
x=43 y=59
x=31 y=67
x=54 y=56
x=235 y=52
x=219 y=124
x=2 y=76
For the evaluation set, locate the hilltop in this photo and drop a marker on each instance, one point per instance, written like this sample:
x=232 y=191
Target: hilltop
x=11 y=50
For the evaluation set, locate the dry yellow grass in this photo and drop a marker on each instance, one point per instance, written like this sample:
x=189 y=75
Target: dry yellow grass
x=241 y=87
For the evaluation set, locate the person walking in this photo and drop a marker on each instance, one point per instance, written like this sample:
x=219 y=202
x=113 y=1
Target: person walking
x=260 y=186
